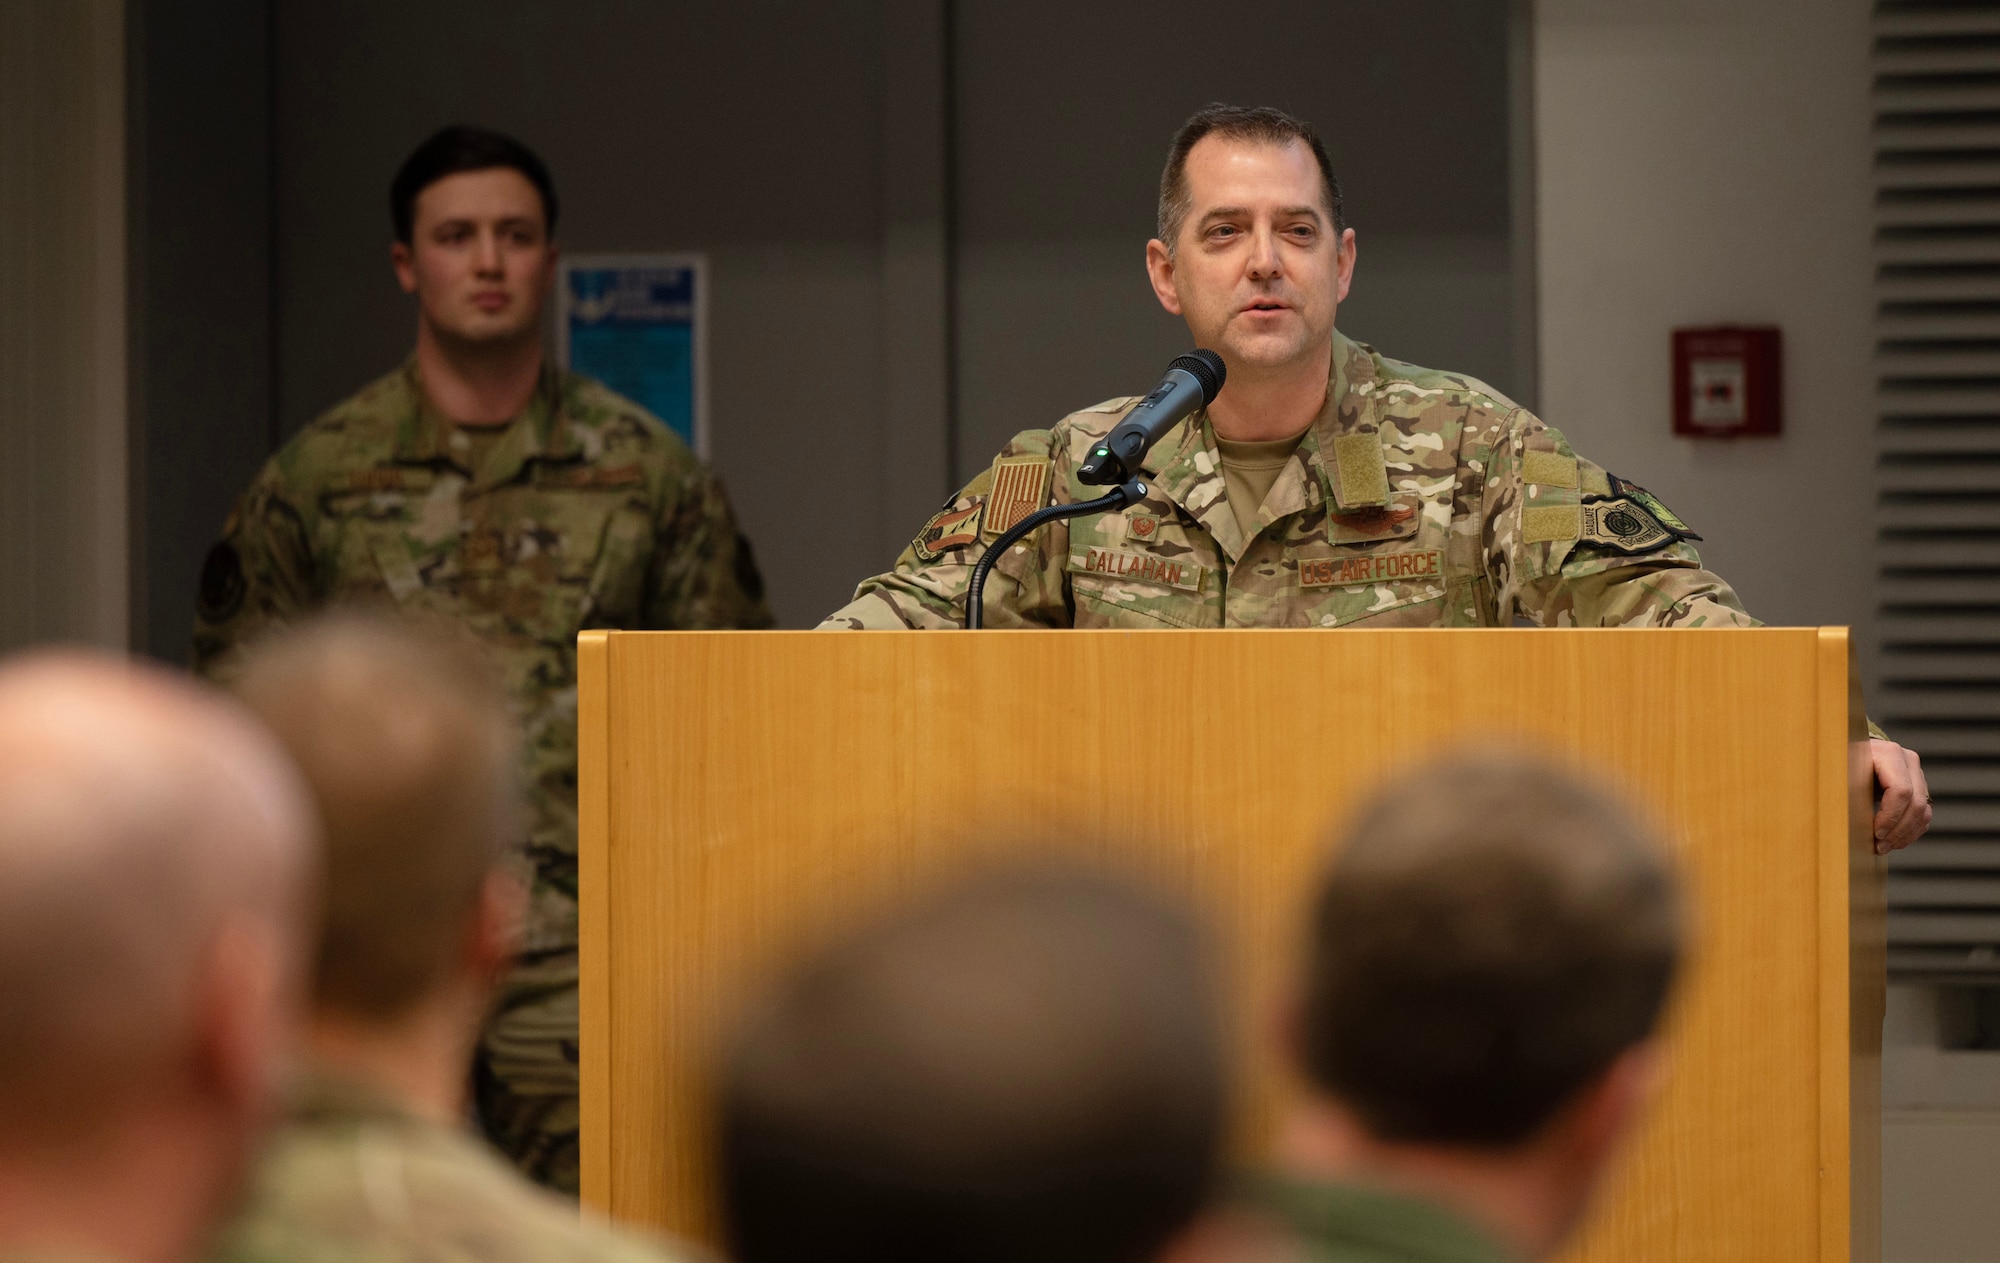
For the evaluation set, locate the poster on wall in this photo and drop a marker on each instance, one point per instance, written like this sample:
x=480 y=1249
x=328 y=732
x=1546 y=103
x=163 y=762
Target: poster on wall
x=638 y=323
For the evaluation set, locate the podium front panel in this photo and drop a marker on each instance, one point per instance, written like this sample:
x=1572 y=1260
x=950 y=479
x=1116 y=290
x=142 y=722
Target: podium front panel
x=746 y=795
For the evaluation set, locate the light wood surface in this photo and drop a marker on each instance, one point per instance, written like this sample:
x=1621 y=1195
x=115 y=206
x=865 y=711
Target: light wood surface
x=745 y=795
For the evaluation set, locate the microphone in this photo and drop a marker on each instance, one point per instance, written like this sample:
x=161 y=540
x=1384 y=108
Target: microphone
x=1192 y=381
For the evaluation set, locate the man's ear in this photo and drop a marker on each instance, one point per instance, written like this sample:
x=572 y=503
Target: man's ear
x=404 y=261
x=245 y=1015
x=496 y=926
x=1612 y=1107
x=1160 y=271
x=1348 y=246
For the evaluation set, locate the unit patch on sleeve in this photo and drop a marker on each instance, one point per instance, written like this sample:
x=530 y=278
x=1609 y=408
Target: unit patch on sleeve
x=1651 y=503
x=1020 y=486
x=948 y=529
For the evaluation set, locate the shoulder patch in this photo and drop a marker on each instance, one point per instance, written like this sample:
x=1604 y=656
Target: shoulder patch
x=1660 y=513
x=1020 y=486
x=222 y=584
x=947 y=529
x=1623 y=526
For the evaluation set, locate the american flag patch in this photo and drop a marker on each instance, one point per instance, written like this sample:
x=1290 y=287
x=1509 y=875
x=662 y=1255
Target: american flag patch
x=1020 y=486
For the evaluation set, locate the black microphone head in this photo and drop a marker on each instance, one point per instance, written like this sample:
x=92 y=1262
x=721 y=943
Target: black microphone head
x=1206 y=367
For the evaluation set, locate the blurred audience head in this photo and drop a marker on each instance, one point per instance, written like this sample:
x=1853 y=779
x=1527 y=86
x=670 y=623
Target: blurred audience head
x=1490 y=954
x=408 y=751
x=156 y=854
x=1024 y=1068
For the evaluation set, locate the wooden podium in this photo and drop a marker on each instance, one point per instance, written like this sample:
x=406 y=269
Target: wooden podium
x=743 y=794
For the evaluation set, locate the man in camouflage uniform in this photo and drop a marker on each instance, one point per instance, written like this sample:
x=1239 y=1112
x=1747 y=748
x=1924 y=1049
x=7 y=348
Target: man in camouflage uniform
x=1465 y=1090
x=479 y=483
x=1326 y=485
x=409 y=752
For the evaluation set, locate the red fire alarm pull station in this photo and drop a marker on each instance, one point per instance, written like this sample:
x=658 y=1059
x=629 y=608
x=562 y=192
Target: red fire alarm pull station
x=1728 y=381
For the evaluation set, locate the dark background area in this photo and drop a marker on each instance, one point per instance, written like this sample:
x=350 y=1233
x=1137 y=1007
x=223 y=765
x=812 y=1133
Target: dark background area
x=925 y=221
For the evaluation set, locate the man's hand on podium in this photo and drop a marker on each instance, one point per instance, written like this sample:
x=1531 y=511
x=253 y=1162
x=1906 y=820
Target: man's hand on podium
x=1904 y=811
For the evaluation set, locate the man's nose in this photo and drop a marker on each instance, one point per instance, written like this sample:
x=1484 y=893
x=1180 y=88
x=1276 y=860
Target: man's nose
x=1263 y=253
x=486 y=255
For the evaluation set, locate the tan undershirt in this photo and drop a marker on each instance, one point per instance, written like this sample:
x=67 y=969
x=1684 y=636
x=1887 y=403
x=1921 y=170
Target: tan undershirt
x=471 y=445
x=1248 y=470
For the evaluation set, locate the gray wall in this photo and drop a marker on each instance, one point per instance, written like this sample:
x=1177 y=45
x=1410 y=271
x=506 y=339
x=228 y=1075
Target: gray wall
x=201 y=285
x=63 y=438
x=1065 y=112
x=816 y=153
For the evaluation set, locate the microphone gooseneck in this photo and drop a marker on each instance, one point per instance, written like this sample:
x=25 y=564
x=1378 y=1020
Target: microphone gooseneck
x=1192 y=382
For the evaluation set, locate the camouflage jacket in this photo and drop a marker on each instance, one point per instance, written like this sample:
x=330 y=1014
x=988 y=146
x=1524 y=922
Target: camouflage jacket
x=1416 y=499
x=1298 y=1220
x=587 y=512
x=352 y=1178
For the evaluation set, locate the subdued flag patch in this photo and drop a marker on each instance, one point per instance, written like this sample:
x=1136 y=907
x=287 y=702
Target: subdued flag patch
x=1020 y=486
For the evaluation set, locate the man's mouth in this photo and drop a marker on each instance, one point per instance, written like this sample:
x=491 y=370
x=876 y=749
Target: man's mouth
x=490 y=300
x=1267 y=305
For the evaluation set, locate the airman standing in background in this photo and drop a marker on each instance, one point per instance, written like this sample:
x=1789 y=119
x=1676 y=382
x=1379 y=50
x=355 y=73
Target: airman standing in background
x=481 y=483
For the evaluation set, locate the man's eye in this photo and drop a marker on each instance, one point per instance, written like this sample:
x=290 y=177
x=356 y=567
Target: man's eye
x=1220 y=231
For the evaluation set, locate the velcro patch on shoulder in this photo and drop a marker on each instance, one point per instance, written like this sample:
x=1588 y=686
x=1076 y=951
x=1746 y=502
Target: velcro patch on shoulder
x=948 y=529
x=1361 y=475
x=1020 y=486
x=1548 y=469
x=1549 y=524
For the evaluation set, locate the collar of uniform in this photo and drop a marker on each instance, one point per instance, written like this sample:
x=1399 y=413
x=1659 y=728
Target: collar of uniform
x=319 y=1094
x=1339 y=1219
x=1190 y=475
x=542 y=431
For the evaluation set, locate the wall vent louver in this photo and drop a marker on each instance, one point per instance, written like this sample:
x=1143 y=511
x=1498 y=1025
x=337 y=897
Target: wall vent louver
x=1937 y=289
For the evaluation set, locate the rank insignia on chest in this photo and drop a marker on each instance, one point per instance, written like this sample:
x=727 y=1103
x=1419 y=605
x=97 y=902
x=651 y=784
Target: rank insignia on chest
x=947 y=529
x=1142 y=528
x=1020 y=486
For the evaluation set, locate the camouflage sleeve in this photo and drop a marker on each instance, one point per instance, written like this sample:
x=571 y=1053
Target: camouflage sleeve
x=258 y=575
x=1569 y=545
x=1027 y=588
x=703 y=574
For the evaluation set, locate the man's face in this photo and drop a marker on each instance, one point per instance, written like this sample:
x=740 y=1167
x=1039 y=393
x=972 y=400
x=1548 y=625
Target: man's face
x=1258 y=271
x=479 y=260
